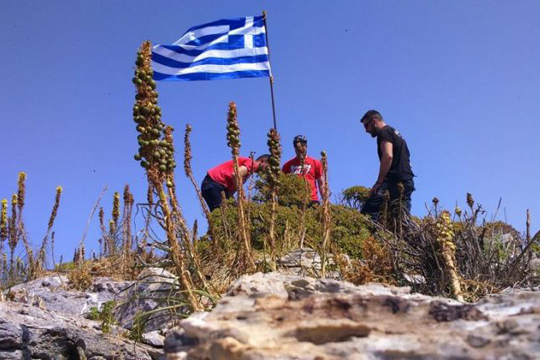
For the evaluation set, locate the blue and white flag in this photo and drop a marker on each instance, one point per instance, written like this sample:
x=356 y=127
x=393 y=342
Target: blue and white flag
x=223 y=49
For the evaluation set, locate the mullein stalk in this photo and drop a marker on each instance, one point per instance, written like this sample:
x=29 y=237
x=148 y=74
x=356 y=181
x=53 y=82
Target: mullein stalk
x=50 y=224
x=52 y=250
x=189 y=174
x=112 y=238
x=21 y=195
x=126 y=225
x=233 y=141
x=185 y=234
x=104 y=235
x=273 y=171
x=156 y=156
x=304 y=202
x=3 y=227
x=327 y=217
x=113 y=223
x=13 y=235
x=445 y=237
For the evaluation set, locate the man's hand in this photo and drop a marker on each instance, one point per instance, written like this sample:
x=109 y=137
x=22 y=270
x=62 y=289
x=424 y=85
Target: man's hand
x=375 y=187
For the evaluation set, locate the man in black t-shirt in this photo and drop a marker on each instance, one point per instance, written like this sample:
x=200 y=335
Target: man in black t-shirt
x=395 y=167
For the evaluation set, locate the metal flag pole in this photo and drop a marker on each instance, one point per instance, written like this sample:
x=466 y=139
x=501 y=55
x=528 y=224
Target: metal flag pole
x=271 y=77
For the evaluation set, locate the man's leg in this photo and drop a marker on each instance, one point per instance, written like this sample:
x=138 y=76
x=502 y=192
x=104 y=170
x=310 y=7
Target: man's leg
x=211 y=192
x=373 y=204
x=396 y=195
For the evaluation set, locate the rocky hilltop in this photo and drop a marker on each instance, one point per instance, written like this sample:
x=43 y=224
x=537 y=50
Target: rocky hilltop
x=271 y=316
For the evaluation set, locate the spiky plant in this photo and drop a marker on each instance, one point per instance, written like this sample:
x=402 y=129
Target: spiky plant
x=50 y=224
x=327 y=217
x=21 y=195
x=273 y=170
x=13 y=234
x=104 y=234
x=156 y=156
x=189 y=174
x=233 y=141
x=127 y=243
x=3 y=225
x=445 y=237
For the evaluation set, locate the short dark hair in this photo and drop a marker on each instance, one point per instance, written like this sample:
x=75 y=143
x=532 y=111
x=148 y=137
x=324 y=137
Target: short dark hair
x=371 y=114
x=263 y=157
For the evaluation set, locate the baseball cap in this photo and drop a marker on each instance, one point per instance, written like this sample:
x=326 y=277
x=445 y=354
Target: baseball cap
x=299 y=138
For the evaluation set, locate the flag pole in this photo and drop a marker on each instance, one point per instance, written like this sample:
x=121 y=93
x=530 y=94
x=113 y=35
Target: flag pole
x=271 y=77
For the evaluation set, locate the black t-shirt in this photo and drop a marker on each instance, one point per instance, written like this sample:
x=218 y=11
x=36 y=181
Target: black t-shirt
x=401 y=167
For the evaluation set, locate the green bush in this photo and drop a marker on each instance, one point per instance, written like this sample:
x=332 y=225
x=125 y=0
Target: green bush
x=349 y=228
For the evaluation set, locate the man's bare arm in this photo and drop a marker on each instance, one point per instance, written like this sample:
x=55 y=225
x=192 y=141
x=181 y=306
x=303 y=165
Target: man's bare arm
x=386 y=162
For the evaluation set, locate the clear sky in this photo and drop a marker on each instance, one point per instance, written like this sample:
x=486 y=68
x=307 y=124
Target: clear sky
x=459 y=79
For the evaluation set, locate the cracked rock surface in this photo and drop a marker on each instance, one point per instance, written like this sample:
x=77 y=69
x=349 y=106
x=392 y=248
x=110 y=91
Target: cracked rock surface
x=276 y=316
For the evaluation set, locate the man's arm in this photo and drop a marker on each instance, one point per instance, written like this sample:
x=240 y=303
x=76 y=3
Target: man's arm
x=320 y=184
x=386 y=162
x=243 y=170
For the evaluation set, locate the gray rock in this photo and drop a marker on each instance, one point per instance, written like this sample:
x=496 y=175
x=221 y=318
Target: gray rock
x=154 y=338
x=53 y=293
x=31 y=332
x=277 y=316
x=152 y=290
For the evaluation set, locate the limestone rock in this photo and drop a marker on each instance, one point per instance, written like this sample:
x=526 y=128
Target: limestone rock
x=152 y=289
x=28 y=332
x=277 y=316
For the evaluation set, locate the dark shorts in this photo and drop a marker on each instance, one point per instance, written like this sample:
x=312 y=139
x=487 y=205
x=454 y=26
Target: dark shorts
x=211 y=192
x=375 y=202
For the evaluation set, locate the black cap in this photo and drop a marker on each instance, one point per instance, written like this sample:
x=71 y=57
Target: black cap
x=300 y=139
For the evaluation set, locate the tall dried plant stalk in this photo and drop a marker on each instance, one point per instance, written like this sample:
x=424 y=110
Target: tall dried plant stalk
x=302 y=227
x=52 y=250
x=21 y=195
x=445 y=237
x=127 y=243
x=50 y=224
x=273 y=172
x=233 y=141
x=13 y=234
x=327 y=217
x=3 y=226
x=189 y=174
x=156 y=155
x=83 y=238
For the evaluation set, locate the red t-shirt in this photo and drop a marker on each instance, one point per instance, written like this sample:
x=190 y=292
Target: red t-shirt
x=312 y=171
x=224 y=173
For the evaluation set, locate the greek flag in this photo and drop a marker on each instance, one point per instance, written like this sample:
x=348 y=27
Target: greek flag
x=223 y=49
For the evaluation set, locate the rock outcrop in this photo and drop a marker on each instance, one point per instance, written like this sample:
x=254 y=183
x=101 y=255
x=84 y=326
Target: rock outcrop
x=269 y=316
x=47 y=320
x=276 y=316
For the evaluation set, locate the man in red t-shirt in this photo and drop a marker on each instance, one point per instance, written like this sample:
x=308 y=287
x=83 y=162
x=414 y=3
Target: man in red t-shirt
x=221 y=178
x=311 y=171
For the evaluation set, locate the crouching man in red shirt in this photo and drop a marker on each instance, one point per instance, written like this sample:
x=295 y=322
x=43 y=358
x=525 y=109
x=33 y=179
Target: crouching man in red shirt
x=311 y=170
x=221 y=178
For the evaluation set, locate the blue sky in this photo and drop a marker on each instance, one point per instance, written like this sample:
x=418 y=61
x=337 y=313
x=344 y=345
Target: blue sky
x=460 y=80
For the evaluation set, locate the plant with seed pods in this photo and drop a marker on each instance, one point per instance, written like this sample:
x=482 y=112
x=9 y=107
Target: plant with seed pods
x=445 y=237
x=273 y=170
x=327 y=218
x=233 y=141
x=156 y=155
x=189 y=174
x=13 y=234
x=52 y=217
x=3 y=233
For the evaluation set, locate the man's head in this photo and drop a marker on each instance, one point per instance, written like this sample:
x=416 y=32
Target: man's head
x=373 y=122
x=300 y=146
x=262 y=162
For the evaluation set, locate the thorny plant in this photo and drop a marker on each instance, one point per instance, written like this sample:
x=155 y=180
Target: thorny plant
x=12 y=230
x=456 y=258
